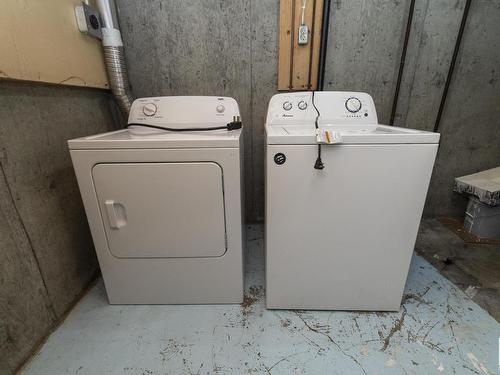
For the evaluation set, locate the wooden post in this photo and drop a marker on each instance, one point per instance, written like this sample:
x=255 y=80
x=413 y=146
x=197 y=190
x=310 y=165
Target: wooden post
x=298 y=64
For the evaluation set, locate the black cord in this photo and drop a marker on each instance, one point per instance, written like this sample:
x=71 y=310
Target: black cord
x=319 y=163
x=233 y=125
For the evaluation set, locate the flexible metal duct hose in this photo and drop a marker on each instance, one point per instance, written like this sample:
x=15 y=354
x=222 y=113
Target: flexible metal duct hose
x=118 y=78
x=114 y=56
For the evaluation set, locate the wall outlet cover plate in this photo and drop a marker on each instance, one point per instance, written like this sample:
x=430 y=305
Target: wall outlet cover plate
x=303 y=35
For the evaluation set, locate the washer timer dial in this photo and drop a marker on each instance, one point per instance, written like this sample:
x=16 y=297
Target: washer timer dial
x=353 y=105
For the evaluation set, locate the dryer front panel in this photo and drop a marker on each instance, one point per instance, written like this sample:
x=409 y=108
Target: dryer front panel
x=162 y=210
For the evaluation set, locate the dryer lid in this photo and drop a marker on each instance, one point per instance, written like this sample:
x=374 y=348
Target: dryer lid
x=126 y=139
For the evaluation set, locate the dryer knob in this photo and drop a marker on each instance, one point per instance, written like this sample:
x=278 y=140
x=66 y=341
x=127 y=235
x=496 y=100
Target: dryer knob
x=149 y=109
x=353 y=105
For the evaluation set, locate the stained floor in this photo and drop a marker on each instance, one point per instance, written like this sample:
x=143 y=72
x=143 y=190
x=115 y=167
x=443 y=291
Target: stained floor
x=473 y=267
x=439 y=330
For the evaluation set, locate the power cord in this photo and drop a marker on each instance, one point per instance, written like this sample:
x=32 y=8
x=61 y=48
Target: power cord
x=319 y=163
x=233 y=125
x=302 y=20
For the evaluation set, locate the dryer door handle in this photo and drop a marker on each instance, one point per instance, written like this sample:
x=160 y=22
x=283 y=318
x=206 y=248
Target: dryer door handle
x=114 y=221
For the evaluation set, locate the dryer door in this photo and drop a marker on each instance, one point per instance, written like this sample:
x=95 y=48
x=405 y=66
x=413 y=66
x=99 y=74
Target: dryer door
x=162 y=210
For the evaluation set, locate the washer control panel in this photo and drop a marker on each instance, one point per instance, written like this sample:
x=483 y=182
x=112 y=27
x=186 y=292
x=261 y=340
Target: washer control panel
x=290 y=107
x=183 y=111
x=334 y=107
x=287 y=105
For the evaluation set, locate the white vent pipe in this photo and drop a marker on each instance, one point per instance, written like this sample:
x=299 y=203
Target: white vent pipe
x=114 y=56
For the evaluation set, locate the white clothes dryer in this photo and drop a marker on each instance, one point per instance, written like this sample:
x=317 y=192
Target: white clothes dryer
x=164 y=207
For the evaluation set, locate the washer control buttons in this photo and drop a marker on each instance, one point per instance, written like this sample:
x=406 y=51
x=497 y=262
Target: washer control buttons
x=220 y=108
x=287 y=106
x=149 y=109
x=353 y=105
x=302 y=105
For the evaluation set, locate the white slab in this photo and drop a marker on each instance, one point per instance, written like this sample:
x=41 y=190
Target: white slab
x=485 y=185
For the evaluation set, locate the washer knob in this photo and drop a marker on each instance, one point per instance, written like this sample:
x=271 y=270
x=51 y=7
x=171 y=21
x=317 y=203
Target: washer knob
x=353 y=105
x=220 y=108
x=149 y=109
x=287 y=106
x=302 y=105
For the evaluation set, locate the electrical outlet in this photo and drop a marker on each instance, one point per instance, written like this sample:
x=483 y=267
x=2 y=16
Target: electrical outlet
x=303 y=35
x=87 y=19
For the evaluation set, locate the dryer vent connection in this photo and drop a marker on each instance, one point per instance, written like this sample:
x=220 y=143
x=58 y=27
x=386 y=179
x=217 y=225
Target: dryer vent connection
x=114 y=56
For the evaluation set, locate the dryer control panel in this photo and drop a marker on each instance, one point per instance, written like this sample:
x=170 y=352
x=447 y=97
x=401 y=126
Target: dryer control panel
x=184 y=111
x=344 y=108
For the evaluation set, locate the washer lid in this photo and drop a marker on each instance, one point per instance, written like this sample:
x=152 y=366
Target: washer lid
x=126 y=139
x=306 y=134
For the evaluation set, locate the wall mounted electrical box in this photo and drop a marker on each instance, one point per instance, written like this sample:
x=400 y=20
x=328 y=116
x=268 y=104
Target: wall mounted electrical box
x=87 y=19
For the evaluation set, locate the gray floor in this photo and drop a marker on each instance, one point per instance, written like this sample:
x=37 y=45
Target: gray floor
x=473 y=267
x=438 y=330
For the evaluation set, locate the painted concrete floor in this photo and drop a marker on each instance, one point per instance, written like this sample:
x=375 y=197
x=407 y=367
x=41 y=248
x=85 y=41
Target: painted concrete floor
x=474 y=268
x=438 y=330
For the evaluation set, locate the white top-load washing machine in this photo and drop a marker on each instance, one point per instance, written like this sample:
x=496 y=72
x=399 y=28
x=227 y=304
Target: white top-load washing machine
x=164 y=207
x=341 y=237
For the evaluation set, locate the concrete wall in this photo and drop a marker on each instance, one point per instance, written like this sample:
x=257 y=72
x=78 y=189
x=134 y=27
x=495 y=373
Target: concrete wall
x=212 y=47
x=46 y=252
x=364 y=53
x=227 y=47
x=470 y=127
